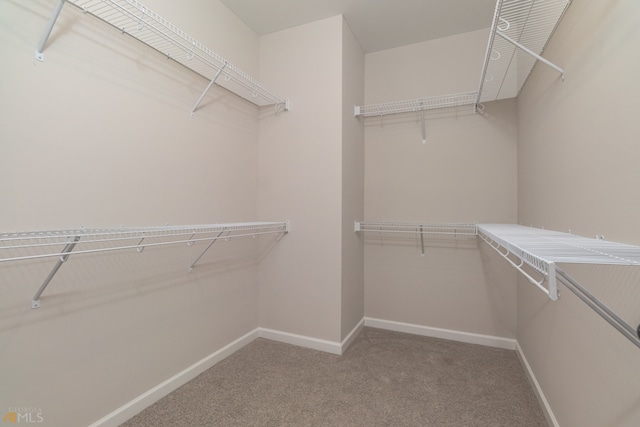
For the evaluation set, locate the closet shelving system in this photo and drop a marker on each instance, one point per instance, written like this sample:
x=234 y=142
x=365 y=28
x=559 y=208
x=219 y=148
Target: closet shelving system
x=537 y=251
x=519 y=33
x=133 y=18
x=61 y=244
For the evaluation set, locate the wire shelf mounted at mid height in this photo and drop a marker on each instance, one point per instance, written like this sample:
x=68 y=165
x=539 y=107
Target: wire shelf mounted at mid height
x=541 y=250
x=135 y=19
x=61 y=244
x=417 y=229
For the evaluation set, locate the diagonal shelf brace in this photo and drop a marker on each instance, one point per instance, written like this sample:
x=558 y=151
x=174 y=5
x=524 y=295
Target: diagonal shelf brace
x=424 y=128
x=193 y=110
x=205 y=251
x=35 y=302
x=47 y=31
x=601 y=309
x=532 y=53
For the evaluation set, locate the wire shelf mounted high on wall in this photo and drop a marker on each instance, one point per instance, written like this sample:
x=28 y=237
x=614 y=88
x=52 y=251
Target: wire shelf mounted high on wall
x=519 y=34
x=61 y=244
x=414 y=105
x=133 y=18
x=419 y=105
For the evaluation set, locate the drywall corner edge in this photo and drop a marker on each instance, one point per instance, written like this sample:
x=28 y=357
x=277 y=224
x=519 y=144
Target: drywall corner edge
x=352 y=335
x=151 y=396
x=546 y=408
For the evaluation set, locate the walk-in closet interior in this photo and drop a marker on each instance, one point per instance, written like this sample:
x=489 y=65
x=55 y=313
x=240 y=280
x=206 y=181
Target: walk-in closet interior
x=178 y=180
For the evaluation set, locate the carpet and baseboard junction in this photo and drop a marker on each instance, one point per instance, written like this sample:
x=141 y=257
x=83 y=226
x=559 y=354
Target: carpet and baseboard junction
x=376 y=377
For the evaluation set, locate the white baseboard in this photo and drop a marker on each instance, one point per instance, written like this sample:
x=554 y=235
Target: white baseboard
x=313 y=343
x=448 y=334
x=301 y=340
x=146 y=399
x=546 y=408
x=133 y=407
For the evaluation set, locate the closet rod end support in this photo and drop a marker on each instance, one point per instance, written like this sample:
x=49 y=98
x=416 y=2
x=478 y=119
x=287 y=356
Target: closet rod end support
x=35 y=303
x=40 y=56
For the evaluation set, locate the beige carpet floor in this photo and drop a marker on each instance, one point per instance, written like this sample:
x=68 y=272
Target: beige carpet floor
x=383 y=379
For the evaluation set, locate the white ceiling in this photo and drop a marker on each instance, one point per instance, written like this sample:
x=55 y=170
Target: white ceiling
x=377 y=24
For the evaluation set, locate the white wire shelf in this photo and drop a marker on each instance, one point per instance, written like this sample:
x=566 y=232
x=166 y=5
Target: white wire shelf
x=542 y=249
x=20 y=246
x=416 y=105
x=519 y=34
x=140 y=22
x=555 y=246
x=418 y=229
x=457 y=229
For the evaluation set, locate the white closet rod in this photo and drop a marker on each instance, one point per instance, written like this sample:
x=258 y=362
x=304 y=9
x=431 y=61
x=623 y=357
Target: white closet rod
x=602 y=310
x=48 y=243
x=133 y=18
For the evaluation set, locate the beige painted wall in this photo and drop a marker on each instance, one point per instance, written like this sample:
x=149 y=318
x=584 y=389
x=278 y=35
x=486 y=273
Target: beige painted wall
x=100 y=135
x=466 y=172
x=578 y=156
x=352 y=182
x=438 y=67
x=301 y=178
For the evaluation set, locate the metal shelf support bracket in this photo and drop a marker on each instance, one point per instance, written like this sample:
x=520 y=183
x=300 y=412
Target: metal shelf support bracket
x=35 y=302
x=532 y=53
x=205 y=251
x=193 y=110
x=47 y=31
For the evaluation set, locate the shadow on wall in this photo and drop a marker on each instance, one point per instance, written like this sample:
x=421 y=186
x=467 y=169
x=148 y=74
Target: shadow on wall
x=421 y=244
x=88 y=281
